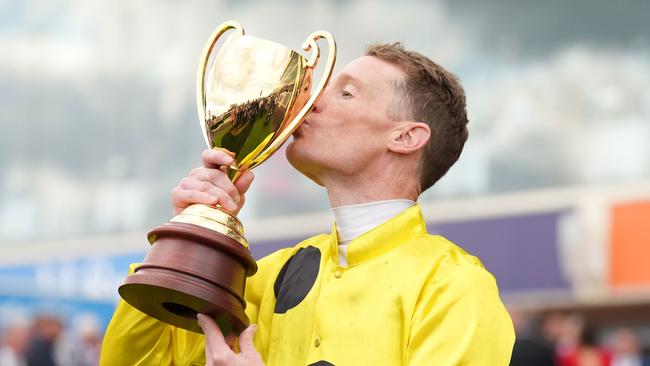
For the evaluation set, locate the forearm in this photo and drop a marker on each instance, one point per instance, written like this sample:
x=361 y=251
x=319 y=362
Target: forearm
x=134 y=338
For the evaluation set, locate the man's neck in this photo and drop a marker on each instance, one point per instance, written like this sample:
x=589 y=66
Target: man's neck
x=369 y=188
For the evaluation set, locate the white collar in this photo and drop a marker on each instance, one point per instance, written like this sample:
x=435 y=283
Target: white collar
x=354 y=220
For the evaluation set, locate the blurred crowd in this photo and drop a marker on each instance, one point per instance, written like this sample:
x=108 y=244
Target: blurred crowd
x=46 y=340
x=565 y=339
x=552 y=339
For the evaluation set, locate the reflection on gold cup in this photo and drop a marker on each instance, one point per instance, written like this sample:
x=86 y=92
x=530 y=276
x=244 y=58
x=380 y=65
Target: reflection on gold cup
x=256 y=95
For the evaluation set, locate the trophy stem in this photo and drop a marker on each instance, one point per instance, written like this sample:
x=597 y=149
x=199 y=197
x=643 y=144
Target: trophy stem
x=213 y=218
x=234 y=172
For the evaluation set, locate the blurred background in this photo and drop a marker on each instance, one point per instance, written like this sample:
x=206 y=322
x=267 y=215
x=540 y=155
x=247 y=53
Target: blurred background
x=552 y=191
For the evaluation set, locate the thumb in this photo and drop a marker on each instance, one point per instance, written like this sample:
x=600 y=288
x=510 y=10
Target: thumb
x=244 y=182
x=246 y=344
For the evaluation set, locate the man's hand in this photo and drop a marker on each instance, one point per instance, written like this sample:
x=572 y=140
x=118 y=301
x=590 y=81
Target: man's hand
x=217 y=351
x=209 y=184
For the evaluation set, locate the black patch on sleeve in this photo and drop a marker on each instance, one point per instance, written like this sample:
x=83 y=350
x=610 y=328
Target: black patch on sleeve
x=321 y=363
x=296 y=278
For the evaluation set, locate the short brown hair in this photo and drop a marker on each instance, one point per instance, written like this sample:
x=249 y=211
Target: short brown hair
x=432 y=95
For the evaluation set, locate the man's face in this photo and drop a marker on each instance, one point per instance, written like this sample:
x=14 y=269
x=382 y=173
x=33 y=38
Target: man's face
x=349 y=126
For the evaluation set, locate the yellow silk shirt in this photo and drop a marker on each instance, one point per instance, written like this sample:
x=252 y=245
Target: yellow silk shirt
x=406 y=298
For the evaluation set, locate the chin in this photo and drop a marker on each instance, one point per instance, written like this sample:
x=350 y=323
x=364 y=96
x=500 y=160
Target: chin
x=302 y=161
x=297 y=158
x=290 y=152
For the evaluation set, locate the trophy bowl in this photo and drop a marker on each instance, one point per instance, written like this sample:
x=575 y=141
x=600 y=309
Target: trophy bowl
x=256 y=95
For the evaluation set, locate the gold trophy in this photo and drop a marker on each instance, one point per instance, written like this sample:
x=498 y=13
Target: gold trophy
x=256 y=95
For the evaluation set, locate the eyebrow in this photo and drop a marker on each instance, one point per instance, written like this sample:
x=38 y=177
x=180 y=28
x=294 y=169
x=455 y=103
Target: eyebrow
x=347 y=77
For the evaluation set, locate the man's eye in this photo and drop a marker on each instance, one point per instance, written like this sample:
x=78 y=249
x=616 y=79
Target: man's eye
x=346 y=93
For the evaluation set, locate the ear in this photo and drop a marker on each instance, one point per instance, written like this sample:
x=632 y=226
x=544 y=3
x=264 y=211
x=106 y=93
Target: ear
x=408 y=137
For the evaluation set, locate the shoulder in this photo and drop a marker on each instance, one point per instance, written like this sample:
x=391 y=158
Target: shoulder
x=442 y=256
x=445 y=266
x=457 y=282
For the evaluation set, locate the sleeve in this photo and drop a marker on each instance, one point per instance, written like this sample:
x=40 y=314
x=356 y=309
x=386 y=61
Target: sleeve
x=460 y=320
x=259 y=296
x=134 y=338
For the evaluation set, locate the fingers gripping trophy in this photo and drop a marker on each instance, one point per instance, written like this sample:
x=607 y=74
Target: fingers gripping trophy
x=256 y=95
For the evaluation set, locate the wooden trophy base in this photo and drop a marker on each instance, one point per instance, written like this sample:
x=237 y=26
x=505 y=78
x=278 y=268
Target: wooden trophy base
x=190 y=270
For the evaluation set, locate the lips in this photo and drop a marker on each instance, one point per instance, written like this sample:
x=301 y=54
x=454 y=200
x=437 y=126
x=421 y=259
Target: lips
x=298 y=131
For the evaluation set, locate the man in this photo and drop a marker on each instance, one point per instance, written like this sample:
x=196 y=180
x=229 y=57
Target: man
x=378 y=290
x=14 y=340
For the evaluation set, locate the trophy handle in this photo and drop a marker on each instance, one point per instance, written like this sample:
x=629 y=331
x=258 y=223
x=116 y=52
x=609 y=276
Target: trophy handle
x=203 y=63
x=309 y=44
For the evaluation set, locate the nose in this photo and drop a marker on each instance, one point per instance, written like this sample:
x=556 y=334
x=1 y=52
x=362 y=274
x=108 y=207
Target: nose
x=317 y=106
